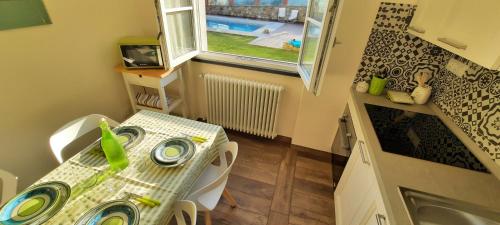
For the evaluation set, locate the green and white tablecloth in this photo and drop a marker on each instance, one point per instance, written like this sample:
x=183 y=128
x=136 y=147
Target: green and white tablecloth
x=142 y=176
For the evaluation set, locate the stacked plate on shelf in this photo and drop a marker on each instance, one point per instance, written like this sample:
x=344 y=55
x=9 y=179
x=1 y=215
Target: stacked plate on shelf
x=173 y=152
x=152 y=100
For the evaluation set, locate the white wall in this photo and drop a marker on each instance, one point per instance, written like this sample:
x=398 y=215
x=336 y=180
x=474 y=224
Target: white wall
x=54 y=73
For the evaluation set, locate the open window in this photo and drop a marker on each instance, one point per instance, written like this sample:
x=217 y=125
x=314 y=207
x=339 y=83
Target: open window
x=185 y=25
x=180 y=30
x=318 y=38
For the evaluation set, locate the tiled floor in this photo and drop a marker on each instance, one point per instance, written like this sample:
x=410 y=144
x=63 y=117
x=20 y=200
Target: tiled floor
x=277 y=184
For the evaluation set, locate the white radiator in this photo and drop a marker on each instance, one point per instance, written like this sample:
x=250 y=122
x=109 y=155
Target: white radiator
x=243 y=105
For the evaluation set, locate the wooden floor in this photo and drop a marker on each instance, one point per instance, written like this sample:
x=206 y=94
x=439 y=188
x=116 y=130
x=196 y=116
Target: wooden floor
x=275 y=183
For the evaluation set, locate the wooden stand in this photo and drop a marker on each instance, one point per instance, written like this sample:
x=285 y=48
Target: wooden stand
x=157 y=79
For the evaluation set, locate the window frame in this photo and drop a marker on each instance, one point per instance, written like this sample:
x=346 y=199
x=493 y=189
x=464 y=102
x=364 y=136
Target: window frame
x=162 y=12
x=328 y=25
x=249 y=62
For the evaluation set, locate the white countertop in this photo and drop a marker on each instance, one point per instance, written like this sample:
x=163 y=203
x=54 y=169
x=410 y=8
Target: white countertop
x=393 y=171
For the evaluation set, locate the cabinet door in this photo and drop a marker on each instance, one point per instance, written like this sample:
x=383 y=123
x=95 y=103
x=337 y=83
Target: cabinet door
x=428 y=17
x=372 y=212
x=472 y=31
x=355 y=184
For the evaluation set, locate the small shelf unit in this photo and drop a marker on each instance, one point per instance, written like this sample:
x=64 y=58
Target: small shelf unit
x=156 y=79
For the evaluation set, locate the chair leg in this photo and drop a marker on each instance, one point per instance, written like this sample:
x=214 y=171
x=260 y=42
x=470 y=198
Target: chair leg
x=230 y=198
x=208 y=219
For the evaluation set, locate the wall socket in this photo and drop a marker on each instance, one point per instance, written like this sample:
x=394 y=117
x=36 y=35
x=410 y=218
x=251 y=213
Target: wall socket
x=456 y=67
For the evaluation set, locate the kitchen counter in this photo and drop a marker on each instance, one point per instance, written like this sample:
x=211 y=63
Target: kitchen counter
x=393 y=171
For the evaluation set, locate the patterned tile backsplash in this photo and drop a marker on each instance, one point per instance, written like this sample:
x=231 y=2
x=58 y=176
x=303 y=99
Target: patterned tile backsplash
x=472 y=101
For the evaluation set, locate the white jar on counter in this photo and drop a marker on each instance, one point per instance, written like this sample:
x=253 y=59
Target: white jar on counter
x=421 y=94
x=362 y=86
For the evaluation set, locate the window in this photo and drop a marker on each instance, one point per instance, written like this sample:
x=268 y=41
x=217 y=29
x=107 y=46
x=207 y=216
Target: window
x=180 y=30
x=263 y=29
x=319 y=37
x=190 y=27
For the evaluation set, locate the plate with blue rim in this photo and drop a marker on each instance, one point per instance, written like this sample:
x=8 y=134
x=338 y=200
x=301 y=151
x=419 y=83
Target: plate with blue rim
x=128 y=136
x=118 y=212
x=36 y=204
x=173 y=152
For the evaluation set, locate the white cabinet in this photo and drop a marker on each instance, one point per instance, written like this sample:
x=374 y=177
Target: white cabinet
x=372 y=212
x=428 y=17
x=357 y=200
x=357 y=197
x=466 y=28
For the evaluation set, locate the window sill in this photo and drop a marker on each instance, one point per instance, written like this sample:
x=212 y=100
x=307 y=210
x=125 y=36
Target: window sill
x=250 y=63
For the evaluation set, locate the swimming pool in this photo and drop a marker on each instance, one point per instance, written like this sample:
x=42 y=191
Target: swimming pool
x=227 y=25
x=240 y=26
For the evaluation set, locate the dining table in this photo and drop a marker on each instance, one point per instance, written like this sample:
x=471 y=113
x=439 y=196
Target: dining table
x=142 y=176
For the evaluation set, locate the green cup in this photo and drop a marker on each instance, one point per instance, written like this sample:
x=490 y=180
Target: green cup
x=377 y=85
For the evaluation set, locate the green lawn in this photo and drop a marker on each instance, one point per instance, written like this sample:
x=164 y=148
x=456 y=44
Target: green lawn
x=238 y=44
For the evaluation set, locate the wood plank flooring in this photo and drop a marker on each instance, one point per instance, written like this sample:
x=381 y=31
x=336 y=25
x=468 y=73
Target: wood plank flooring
x=276 y=183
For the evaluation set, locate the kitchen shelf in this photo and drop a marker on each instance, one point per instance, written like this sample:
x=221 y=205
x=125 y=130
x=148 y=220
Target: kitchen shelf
x=156 y=79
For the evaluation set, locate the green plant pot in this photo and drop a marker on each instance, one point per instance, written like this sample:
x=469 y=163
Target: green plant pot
x=377 y=85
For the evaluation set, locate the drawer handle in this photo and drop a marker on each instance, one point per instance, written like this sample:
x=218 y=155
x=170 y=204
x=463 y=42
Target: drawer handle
x=453 y=43
x=417 y=29
x=361 y=150
x=379 y=218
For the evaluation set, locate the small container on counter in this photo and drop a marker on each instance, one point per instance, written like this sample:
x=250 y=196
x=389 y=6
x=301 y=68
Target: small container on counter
x=362 y=86
x=422 y=92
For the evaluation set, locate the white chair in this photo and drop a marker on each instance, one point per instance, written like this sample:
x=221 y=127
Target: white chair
x=294 y=16
x=9 y=186
x=211 y=184
x=73 y=130
x=185 y=206
x=281 y=14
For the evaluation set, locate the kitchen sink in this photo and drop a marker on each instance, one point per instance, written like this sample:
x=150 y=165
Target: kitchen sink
x=429 y=209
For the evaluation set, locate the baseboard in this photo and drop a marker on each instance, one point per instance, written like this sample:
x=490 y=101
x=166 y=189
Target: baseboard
x=283 y=139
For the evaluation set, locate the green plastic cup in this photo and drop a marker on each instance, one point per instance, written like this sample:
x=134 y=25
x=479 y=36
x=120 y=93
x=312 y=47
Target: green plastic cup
x=377 y=85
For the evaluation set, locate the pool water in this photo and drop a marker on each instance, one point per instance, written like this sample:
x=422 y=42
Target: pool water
x=225 y=25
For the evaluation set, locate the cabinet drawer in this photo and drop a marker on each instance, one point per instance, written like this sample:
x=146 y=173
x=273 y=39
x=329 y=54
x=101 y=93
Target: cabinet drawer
x=153 y=82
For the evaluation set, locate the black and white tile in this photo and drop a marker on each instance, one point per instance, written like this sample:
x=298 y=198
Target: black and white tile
x=392 y=16
x=472 y=101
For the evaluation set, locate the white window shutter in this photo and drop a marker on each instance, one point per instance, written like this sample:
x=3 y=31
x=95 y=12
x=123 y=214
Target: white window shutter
x=180 y=30
x=317 y=40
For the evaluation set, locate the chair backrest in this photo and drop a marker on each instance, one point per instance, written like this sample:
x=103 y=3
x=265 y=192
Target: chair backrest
x=9 y=186
x=294 y=14
x=224 y=170
x=73 y=130
x=281 y=12
x=185 y=206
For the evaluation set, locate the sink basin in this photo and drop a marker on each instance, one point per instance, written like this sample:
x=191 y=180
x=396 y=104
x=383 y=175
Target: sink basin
x=429 y=209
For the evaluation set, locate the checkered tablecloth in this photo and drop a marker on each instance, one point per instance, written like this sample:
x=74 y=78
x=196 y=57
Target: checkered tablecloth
x=142 y=176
